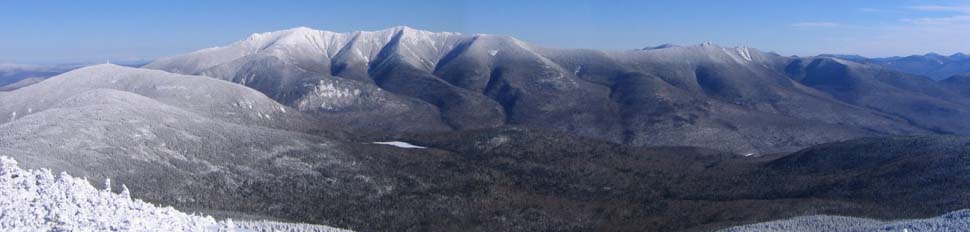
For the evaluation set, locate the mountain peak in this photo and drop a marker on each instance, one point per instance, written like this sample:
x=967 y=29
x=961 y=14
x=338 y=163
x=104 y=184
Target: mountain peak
x=298 y=30
x=400 y=28
x=959 y=56
x=934 y=55
x=274 y=36
x=852 y=57
x=105 y=66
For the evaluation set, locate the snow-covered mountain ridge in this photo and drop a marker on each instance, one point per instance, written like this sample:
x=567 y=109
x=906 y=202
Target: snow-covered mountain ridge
x=37 y=200
x=303 y=44
x=406 y=80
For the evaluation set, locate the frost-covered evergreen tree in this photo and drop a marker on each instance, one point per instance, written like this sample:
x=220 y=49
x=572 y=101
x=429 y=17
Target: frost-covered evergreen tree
x=954 y=221
x=36 y=200
x=124 y=192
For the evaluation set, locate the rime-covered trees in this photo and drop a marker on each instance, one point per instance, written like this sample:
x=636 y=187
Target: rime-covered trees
x=36 y=200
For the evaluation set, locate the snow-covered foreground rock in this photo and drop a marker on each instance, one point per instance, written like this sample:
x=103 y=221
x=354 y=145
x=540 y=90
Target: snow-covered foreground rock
x=37 y=200
x=954 y=221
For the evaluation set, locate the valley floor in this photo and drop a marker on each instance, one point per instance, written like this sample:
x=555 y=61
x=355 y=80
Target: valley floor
x=35 y=200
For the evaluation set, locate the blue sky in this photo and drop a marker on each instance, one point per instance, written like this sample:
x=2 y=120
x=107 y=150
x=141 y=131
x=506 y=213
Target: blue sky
x=38 y=31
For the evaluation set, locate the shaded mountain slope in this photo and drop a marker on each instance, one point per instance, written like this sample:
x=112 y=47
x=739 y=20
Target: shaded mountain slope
x=959 y=83
x=922 y=102
x=21 y=83
x=921 y=172
x=932 y=65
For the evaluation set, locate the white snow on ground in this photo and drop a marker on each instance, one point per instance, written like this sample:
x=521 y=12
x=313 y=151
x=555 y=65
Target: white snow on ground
x=37 y=200
x=492 y=52
x=400 y=144
x=954 y=221
x=745 y=53
x=333 y=96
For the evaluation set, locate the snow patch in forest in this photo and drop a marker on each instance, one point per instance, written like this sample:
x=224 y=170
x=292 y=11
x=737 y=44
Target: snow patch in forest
x=332 y=96
x=400 y=144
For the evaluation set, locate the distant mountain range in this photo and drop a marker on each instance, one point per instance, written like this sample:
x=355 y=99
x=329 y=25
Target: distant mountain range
x=935 y=66
x=15 y=76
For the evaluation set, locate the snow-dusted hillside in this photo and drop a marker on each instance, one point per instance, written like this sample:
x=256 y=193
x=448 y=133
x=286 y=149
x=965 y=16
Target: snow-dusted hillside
x=205 y=96
x=954 y=221
x=37 y=200
x=14 y=76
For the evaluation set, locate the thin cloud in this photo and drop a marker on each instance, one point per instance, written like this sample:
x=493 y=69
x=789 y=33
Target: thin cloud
x=943 y=32
x=940 y=20
x=960 y=15
x=877 y=10
x=815 y=25
x=942 y=8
